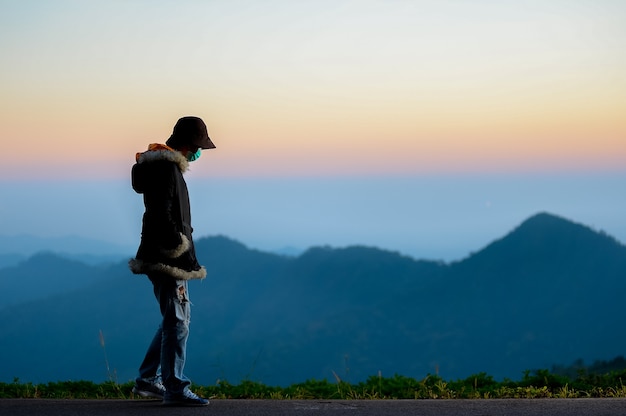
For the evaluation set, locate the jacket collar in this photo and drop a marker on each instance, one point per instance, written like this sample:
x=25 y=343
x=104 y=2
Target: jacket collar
x=157 y=152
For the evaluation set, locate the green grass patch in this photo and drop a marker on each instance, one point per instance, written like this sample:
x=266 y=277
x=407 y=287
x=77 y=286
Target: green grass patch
x=535 y=384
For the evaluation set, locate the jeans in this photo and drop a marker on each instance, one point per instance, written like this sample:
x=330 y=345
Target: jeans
x=167 y=350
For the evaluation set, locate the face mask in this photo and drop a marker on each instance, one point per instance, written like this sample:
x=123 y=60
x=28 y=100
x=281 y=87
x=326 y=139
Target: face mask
x=193 y=156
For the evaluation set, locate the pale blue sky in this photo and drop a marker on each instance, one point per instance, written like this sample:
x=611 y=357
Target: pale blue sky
x=432 y=216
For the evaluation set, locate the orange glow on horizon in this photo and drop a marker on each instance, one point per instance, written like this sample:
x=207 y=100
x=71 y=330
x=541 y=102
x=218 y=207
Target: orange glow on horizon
x=378 y=88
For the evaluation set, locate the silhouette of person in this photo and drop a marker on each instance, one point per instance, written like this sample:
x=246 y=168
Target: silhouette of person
x=167 y=256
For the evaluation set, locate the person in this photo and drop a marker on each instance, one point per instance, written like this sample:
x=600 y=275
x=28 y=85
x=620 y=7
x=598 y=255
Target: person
x=167 y=256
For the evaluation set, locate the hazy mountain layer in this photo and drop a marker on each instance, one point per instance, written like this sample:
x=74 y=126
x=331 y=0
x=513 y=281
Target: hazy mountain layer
x=548 y=292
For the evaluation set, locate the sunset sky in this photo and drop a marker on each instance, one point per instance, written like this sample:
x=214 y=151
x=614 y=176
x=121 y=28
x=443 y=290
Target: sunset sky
x=325 y=88
x=315 y=87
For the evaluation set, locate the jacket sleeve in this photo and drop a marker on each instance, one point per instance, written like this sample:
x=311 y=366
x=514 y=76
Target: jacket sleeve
x=165 y=220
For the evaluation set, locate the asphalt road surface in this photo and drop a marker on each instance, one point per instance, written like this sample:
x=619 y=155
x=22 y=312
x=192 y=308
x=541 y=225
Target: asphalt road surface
x=489 y=407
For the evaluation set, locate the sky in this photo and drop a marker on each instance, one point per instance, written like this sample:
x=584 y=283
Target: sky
x=322 y=98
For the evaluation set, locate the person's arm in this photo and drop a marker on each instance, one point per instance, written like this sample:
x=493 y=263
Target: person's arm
x=165 y=218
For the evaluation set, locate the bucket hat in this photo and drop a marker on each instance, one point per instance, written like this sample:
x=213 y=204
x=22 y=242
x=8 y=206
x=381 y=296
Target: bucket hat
x=190 y=130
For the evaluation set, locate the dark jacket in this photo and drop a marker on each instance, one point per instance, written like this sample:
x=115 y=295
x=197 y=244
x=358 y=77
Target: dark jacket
x=166 y=242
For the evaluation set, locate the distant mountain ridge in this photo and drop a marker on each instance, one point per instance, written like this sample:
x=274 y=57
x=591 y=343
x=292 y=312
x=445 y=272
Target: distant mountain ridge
x=548 y=292
x=15 y=248
x=46 y=274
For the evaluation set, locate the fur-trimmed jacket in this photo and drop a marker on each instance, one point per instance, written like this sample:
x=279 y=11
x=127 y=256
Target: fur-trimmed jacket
x=166 y=242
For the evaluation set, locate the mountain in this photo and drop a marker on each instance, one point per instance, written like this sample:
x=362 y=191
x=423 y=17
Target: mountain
x=15 y=248
x=548 y=292
x=11 y=259
x=43 y=274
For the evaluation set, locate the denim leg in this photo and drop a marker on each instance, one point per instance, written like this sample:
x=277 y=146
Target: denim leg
x=149 y=368
x=175 y=308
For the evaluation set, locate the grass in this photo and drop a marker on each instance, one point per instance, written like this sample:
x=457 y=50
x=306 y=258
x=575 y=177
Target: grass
x=536 y=384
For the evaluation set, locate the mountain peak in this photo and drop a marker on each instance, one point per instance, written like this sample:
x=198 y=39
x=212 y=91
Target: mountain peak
x=551 y=228
x=546 y=220
x=546 y=237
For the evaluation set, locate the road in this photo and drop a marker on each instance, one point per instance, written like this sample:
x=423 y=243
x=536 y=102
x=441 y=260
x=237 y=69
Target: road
x=489 y=407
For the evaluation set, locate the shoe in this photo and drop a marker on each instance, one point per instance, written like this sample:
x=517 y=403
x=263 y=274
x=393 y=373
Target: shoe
x=186 y=398
x=149 y=388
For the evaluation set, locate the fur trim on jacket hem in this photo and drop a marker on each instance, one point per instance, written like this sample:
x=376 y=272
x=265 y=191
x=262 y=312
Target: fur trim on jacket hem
x=140 y=267
x=182 y=248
